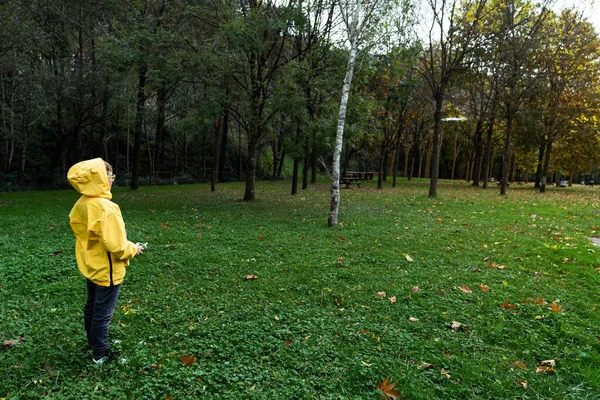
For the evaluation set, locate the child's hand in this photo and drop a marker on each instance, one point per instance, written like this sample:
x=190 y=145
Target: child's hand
x=140 y=248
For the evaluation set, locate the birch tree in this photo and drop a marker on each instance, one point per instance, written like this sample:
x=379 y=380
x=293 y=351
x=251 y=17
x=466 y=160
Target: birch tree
x=357 y=16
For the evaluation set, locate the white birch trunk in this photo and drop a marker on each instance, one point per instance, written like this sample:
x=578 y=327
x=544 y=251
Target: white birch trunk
x=335 y=180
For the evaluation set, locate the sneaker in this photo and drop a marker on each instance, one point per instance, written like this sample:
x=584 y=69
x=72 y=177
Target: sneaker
x=108 y=357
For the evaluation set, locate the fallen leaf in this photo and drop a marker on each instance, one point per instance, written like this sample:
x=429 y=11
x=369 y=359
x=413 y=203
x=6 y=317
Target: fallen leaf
x=13 y=342
x=250 y=277
x=392 y=299
x=484 y=288
x=163 y=225
x=476 y=270
x=416 y=289
x=508 y=306
x=522 y=383
x=340 y=260
x=365 y=364
x=548 y=363
x=413 y=319
x=536 y=300
x=341 y=239
x=485 y=246
x=445 y=373
x=519 y=365
x=543 y=368
x=51 y=228
x=155 y=366
x=465 y=289
x=57 y=252
x=408 y=258
x=381 y=294
x=455 y=325
x=289 y=342
x=261 y=238
x=557 y=308
x=424 y=365
x=388 y=389
x=188 y=360
x=448 y=248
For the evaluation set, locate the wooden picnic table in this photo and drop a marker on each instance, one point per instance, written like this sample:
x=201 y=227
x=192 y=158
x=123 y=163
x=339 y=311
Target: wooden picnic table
x=364 y=175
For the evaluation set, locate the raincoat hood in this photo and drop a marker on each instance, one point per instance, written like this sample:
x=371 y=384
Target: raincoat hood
x=89 y=178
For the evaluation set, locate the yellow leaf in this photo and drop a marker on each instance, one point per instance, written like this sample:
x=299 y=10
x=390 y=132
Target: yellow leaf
x=485 y=246
x=408 y=258
x=505 y=283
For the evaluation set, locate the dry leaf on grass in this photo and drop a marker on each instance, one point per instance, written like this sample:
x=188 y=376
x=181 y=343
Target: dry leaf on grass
x=508 y=306
x=381 y=294
x=424 y=365
x=522 y=383
x=416 y=289
x=456 y=325
x=13 y=342
x=413 y=319
x=392 y=299
x=484 y=288
x=388 y=390
x=408 y=258
x=188 y=360
x=557 y=308
x=519 y=365
x=249 y=277
x=465 y=289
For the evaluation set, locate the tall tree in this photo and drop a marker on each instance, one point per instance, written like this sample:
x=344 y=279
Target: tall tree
x=452 y=35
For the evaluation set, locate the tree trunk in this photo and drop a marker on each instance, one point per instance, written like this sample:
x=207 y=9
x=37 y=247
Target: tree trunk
x=295 y=176
x=477 y=161
x=215 y=165
x=139 y=119
x=538 y=171
x=335 y=180
x=437 y=142
x=507 y=150
x=546 y=166
x=251 y=167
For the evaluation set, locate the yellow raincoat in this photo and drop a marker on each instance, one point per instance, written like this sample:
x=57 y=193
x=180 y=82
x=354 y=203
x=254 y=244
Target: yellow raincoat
x=102 y=249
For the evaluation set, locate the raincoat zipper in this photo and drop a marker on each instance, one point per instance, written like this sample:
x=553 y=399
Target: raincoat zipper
x=111 y=269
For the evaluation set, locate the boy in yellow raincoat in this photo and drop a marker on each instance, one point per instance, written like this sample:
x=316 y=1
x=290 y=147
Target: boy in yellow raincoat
x=101 y=248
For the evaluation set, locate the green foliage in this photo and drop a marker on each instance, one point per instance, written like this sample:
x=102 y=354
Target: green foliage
x=312 y=324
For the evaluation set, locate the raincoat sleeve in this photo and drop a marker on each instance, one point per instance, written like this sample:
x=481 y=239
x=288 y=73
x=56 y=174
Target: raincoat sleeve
x=114 y=236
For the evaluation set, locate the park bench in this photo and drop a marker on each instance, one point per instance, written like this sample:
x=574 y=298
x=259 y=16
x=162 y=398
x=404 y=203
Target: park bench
x=348 y=181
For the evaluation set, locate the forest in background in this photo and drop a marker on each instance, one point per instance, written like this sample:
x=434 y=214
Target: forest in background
x=211 y=91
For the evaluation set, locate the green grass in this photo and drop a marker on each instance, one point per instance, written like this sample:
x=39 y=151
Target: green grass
x=311 y=326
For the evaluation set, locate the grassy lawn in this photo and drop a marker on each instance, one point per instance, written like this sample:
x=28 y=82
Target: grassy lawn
x=518 y=274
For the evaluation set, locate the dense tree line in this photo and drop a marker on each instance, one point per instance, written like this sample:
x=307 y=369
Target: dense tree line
x=222 y=90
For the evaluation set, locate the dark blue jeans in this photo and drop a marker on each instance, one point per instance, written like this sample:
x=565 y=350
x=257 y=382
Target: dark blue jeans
x=99 y=309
